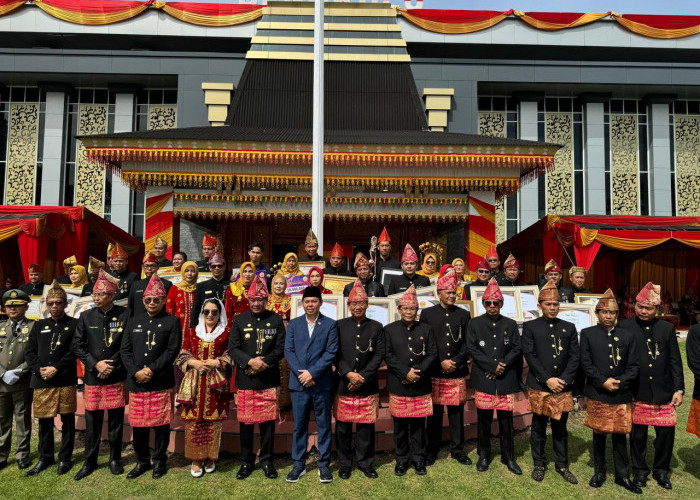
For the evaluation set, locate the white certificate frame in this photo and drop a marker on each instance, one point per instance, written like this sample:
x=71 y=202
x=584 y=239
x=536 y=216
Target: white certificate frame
x=333 y=306
x=512 y=307
x=528 y=302
x=382 y=309
x=587 y=298
x=581 y=315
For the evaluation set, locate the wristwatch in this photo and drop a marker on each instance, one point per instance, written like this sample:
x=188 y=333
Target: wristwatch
x=680 y=391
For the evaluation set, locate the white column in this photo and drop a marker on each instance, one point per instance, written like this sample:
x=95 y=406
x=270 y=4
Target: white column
x=529 y=199
x=121 y=194
x=659 y=159
x=317 y=202
x=594 y=168
x=54 y=120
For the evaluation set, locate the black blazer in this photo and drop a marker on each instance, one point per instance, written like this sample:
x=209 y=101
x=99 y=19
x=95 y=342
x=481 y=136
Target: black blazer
x=247 y=329
x=551 y=349
x=163 y=329
x=98 y=336
x=126 y=279
x=361 y=348
x=41 y=352
x=209 y=289
x=692 y=348
x=599 y=350
x=402 y=283
x=659 y=375
x=489 y=342
x=450 y=329
x=372 y=289
x=136 y=306
x=409 y=347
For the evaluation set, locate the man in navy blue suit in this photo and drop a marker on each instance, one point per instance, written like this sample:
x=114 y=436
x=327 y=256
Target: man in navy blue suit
x=310 y=348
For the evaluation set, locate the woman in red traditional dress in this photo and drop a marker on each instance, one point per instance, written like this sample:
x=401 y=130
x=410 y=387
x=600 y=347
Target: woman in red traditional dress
x=236 y=300
x=279 y=302
x=181 y=296
x=316 y=279
x=204 y=393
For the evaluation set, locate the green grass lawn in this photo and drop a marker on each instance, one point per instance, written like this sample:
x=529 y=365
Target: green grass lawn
x=446 y=479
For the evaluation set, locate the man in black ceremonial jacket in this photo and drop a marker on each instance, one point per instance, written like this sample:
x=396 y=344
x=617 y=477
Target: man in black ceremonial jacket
x=256 y=346
x=36 y=281
x=659 y=390
x=119 y=262
x=409 y=264
x=150 y=267
x=550 y=346
x=483 y=274
x=494 y=344
x=150 y=346
x=372 y=288
x=213 y=288
x=610 y=361
x=97 y=341
x=384 y=260
x=449 y=325
x=410 y=355
x=54 y=378
x=360 y=352
x=511 y=273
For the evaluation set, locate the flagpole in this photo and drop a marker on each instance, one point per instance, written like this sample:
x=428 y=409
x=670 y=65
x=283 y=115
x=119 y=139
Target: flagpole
x=317 y=185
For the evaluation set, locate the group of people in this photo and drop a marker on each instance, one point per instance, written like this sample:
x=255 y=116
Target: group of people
x=218 y=341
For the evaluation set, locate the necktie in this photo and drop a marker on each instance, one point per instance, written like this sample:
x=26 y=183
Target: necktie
x=15 y=329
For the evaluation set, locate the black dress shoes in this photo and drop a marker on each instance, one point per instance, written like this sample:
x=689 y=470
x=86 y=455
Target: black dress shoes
x=270 y=471
x=3 y=465
x=512 y=466
x=640 y=481
x=628 y=485
x=482 y=465
x=344 y=472
x=663 y=481
x=116 y=467
x=84 y=472
x=420 y=468
x=369 y=472
x=40 y=467
x=597 y=480
x=430 y=460
x=400 y=469
x=64 y=467
x=462 y=458
x=139 y=470
x=159 y=470
x=24 y=464
x=244 y=471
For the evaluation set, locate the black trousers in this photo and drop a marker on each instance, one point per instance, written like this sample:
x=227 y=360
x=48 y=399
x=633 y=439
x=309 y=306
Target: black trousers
x=505 y=433
x=46 y=441
x=267 y=442
x=162 y=440
x=93 y=434
x=619 y=445
x=560 y=440
x=364 y=444
x=663 y=449
x=455 y=419
x=409 y=440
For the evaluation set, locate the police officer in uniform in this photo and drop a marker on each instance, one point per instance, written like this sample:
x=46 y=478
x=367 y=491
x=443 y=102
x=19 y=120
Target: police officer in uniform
x=449 y=388
x=15 y=394
x=256 y=345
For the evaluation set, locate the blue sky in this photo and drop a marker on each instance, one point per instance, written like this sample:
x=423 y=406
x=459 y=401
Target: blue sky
x=676 y=7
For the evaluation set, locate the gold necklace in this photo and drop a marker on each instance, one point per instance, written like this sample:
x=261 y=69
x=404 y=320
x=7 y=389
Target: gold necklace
x=615 y=351
x=459 y=334
x=369 y=348
x=150 y=343
x=557 y=350
x=656 y=353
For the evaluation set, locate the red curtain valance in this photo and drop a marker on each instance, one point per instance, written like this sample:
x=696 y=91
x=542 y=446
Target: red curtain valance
x=659 y=26
x=553 y=21
x=454 y=21
x=211 y=14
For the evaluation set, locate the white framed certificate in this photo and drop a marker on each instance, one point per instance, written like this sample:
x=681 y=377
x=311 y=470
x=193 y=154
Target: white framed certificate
x=512 y=307
x=581 y=315
x=333 y=306
x=380 y=309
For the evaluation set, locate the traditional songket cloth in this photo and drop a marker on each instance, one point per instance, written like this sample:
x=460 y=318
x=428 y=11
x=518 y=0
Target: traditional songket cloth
x=204 y=397
x=181 y=296
x=236 y=300
x=692 y=348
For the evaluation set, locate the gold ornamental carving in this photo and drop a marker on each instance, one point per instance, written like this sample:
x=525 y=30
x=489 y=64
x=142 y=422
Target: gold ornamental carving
x=161 y=117
x=560 y=180
x=501 y=219
x=493 y=124
x=89 y=176
x=22 y=148
x=624 y=164
x=687 y=162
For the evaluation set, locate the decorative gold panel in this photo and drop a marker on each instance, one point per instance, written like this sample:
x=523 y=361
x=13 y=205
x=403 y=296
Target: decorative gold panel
x=494 y=125
x=90 y=177
x=624 y=164
x=22 y=146
x=162 y=116
x=560 y=180
x=687 y=162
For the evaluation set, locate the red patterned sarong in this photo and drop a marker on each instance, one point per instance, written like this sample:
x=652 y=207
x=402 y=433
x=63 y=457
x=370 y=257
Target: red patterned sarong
x=651 y=414
x=694 y=418
x=410 y=406
x=257 y=406
x=105 y=397
x=202 y=441
x=485 y=401
x=150 y=409
x=608 y=418
x=550 y=404
x=357 y=409
x=449 y=391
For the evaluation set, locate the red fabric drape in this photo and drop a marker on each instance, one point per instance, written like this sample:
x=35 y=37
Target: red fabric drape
x=552 y=248
x=73 y=243
x=213 y=9
x=32 y=249
x=663 y=22
x=586 y=255
x=94 y=6
x=632 y=220
x=456 y=16
x=554 y=21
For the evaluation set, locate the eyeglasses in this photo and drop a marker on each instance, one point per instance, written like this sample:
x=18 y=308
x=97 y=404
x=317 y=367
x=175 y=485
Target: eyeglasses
x=492 y=303
x=216 y=266
x=55 y=303
x=149 y=300
x=493 y=260
x=210 y=312
x=483 y=271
